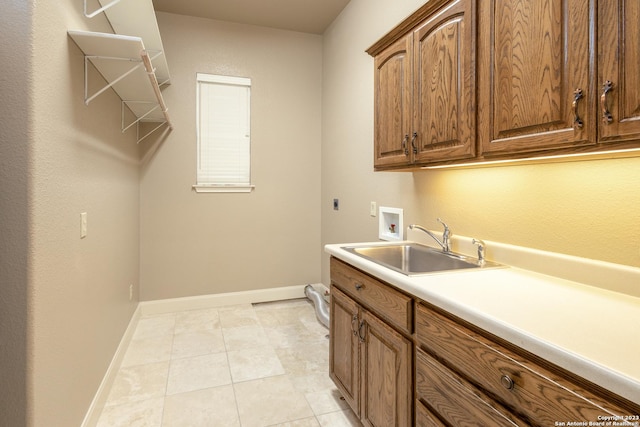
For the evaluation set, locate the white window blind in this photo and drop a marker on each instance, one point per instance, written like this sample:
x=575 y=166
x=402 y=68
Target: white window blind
x=223 y=133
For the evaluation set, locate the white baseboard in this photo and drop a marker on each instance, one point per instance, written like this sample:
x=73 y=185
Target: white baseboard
x=220 y=300
x=179 y=304
x=100 y=398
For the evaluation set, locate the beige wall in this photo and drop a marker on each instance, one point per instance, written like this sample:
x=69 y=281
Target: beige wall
x=68 y=297
x=195 y=244
x=15 y=29
x=347 y=127
x=65 y=302
x=589 y=209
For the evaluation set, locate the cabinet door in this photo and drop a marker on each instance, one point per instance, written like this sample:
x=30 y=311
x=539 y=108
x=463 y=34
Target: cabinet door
x=444 y=85
x=534 y=55
x=344 y=358
x=619 y=63
x=386 y=375
x=392 y=94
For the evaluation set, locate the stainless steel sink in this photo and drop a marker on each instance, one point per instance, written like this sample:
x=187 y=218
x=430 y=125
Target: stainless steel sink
x=413 y=259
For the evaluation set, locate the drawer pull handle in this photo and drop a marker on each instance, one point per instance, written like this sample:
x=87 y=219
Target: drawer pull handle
x=507 y=382
x=359 y=286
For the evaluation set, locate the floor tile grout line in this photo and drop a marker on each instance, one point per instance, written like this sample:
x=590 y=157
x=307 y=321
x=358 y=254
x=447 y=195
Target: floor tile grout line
x=260 y=321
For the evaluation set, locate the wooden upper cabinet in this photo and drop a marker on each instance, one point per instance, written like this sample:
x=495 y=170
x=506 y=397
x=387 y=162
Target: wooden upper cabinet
x=537 y=72
x=425 y=87
x=444 y=85
x=619 y=64
x=466 y=81
x=393 y=97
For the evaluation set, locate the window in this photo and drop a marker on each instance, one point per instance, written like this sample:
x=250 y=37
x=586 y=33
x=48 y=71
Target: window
x=223 y=134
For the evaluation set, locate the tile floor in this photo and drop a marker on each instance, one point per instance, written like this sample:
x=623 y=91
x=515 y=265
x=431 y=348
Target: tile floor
x=246 y=365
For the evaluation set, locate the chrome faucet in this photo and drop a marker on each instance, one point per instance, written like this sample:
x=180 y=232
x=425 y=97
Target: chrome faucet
x=446 y=235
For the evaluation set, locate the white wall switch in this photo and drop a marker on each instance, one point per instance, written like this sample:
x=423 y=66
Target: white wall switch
x=373 y=209
x=83 y=225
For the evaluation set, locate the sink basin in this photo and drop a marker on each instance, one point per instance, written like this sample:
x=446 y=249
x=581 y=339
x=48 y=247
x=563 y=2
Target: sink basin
x=412 y=258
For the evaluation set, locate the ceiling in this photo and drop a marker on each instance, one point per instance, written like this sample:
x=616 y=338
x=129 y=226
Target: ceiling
x=308 y=16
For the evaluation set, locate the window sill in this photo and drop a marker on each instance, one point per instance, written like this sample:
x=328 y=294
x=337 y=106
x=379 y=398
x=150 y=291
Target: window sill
x=201 y=188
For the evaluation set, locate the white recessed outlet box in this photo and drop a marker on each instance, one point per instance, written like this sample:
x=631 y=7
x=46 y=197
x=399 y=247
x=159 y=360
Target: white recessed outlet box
x=390 y=224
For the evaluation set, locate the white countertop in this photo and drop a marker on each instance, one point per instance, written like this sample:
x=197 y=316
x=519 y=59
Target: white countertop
x=590 y=331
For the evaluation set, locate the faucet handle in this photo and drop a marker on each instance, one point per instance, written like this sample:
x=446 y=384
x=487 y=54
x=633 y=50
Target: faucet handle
x=481 y=247
x=446 y=235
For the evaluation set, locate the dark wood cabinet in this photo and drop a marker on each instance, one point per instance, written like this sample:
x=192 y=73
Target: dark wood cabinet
x=466 y=82
x=425 y=89
x=393 y=99
x=535 y=62
x=445 y=85
x=386 y=374
x=401 y=361
x=370 y=362
x=344 y=363
x=467 y=377
x=618 y=71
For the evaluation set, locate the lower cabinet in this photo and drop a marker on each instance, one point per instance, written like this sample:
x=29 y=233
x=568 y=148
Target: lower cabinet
x=370 y=363
x=344 y=348
x=399 y=361
x=466 y=377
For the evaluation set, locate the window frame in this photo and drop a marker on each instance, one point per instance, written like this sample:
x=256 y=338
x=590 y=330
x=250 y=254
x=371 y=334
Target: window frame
x=211 y=187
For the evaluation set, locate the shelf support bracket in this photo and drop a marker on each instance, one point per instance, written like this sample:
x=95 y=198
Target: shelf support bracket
x=87 y=59
x=136 y=122
x=100 y=10
x=139 y=139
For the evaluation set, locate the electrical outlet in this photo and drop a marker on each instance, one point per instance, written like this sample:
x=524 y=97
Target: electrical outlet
x=373 y=209
x=130 y=292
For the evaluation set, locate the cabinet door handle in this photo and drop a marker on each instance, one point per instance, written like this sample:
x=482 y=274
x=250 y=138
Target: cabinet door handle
x=606 y=115
x=577 y=96
x=359 y=286
x=413 y=143
x=507 y=382
x=404 y=144
x=360 y=333
x=354 y=323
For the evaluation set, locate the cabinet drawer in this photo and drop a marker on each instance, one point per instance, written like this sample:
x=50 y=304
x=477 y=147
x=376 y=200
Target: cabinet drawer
x=539 y=395
x=424 y=417
x=386 y=302
x=457 y=401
